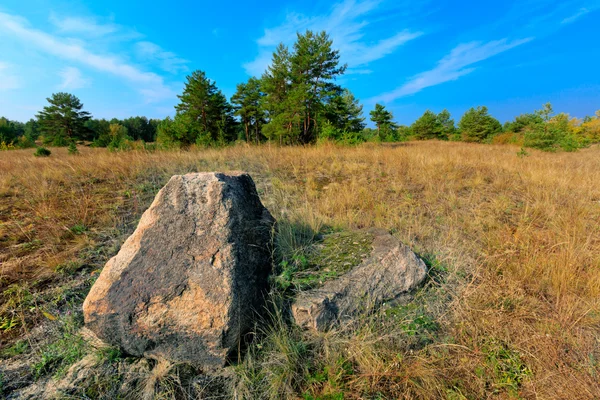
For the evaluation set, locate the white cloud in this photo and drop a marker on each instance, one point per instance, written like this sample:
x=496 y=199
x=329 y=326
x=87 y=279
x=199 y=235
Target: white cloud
x=346 y=24
x=72 y=79
x=79 y=25
x=168 y=61
x=581 y=12
x=76 y=51
x=8 y=81
x=451 y=67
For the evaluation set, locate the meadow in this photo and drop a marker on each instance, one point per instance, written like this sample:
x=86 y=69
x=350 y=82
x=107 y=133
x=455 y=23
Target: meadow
x=512 y=240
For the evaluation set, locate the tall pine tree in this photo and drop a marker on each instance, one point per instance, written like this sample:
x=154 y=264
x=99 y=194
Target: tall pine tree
x=248 y=105
x=63 y=120
x=298 y=86
x=203 y=113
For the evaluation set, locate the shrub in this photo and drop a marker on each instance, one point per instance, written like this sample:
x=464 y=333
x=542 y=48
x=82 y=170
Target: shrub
x=508 y=138
x=73 y=149
x=42 y=152
x=23 y=142
x=476 y=125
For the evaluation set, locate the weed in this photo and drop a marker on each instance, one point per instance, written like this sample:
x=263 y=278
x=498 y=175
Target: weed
x=522 y=153
x=508 y=367
x=20 y=347
x=109 y=354
x=56 y=357
x=68 y=268
x=78 y=229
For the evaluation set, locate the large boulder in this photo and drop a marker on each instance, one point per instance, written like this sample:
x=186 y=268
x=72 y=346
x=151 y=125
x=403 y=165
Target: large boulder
x=186 y=284
x=390 y=271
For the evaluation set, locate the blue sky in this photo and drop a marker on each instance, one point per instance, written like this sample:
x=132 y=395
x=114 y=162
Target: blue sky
x=125 y=58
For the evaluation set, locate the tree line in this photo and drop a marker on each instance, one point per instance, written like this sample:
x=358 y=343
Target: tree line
x=63 y=121
x=297 y=100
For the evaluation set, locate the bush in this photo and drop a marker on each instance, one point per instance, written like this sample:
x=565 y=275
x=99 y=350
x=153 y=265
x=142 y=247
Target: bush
x=23 y=142
x=42 y=152
x=73 y=149
x=508 y=138
x=477 y=125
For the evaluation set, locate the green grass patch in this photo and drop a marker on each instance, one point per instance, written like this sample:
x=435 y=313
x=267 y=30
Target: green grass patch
x=56 y=357
x=326 y=258
x=508 y=368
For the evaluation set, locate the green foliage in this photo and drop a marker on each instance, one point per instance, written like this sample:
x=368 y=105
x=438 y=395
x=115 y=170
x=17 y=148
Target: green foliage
x=477 y=125
x=522 y=153
x=432 y=126
x=298 y=86
x=42 y=152
x=109 y=354
x=63 y=120
x=68 y=268
x=10 y=131
x=248 y=105
x=383 y=119
x=73 y=149
x=321 y=260
x=345 y=114
x=56 y=357
x=330 y=133
x=119 y=138
x=508 y=367
x=203 y=115
x=523 y=122
x=277 y=364
x=545 y=131
x=20 y=347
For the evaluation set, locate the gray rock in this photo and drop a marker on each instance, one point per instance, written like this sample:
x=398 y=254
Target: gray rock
x=390 y=271
x=186 y=284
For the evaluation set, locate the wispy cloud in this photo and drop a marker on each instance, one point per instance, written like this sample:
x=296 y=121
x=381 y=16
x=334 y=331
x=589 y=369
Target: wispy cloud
x=8 y=81
x=346 y=23
x=75 y=51
x=82 y=26
x=580 y=13
x=458 y=63
x=72 y=79
x=168 y=61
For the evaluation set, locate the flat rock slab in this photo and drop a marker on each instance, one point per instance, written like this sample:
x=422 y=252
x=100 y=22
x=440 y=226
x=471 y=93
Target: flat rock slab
x=391 y=270
x=186 y=284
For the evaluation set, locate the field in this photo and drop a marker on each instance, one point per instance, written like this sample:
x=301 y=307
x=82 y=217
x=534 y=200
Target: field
x=511 y=310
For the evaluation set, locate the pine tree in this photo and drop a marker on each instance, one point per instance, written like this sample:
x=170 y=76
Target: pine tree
x=204 y=112
x=383 y=120
x=432 y=126
x=248 y=105
x=63 y=120
x=314 y=67
x=345 y=112
x=298 y=86
x=477 y=124
x=427 y=126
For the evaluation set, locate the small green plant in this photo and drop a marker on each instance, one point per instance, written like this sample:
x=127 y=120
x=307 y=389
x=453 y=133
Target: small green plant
x=7 y=324
x=73 y=149
x=42 y=152
x=110 y=354
x=508 y=367
x=68 y=268
x=58 y=356
x=78 y=229
x=522 y=153
x=20 y=347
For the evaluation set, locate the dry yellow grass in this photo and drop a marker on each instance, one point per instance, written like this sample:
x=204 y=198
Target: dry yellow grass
x=522 y=235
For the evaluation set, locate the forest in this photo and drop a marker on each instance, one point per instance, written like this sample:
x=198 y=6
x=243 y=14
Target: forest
x=295 y=102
